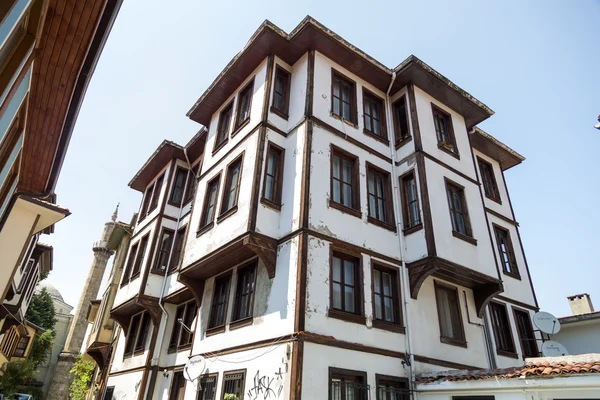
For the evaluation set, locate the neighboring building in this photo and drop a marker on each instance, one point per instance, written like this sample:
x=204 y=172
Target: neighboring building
x=48 y=51
x=63 y=316
x=351 y=229
x=580 y=332
x=17 y=341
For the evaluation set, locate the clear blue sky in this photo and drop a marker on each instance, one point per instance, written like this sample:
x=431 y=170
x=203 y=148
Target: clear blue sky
x=535 y=63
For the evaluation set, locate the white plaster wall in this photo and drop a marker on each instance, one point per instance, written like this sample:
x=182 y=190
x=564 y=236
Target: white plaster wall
x=127 y=386
x=479 y=257
x=580 y=337
x=503 y=208
x=333 y=222
x=317 y=303
x=299 y=73
x=318 y=359
x=429 y=139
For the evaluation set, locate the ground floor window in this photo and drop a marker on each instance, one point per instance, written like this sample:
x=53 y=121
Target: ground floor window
x=207 y=389
x=108 y=395
x=392 y=388
x=346 y=384
x=178 y=386
x=233 y=385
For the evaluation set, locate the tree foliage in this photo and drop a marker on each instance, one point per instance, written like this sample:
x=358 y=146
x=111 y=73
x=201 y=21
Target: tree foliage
x=82 y=373
x=41 y=310
x=40 y=349
x=15 y=376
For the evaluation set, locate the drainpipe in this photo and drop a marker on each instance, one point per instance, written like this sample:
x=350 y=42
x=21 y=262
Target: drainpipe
x=489 y=352
x=401 y=245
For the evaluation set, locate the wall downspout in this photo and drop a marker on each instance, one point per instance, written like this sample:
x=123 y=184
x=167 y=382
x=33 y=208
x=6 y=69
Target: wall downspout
x=401 y=245
x=486 y=333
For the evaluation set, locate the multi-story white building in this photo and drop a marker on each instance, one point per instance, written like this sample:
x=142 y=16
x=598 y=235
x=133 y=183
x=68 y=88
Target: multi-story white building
x=349 y=227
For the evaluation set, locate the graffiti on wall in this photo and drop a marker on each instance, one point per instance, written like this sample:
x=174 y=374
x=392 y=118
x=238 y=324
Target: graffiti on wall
x=266 y=386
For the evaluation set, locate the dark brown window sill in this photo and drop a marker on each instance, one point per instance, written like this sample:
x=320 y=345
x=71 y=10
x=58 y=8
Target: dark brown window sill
x=141 y=218
x=173 y=270
x=280 y=113
x=134 y=277
x=215 y=331
x=240 y=126
x=381 y=224
x=466 y=238
x=150 y=210
x=348 y=122
x=373 y=135
x=138 y=352
x=453 y=342
x=124 y=283
x=173 y=203
x=184 y=347
x=512 y=275
x=241 y=323
x=403 y=141
x=494 y=199
x=345 y=209
x=413 y=229
x=127 y=355
x=270 y=204
x=220 y=146
x=345 y=316
x=447 y=150
x=388 y=326
x=505 y=353
x=157 y=271
x=227 y=213
x=205 y=228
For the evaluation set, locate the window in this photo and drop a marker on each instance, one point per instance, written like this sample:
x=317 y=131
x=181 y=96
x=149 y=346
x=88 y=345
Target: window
x=244 y=103
x=488 y=178
x=385 y=295
x=506 y=251
x=379 y=196
x=210 y=202
x=21 y=347
x=233 y=384
x=410 y=201
x=231 y=190
x=473 y=397
x=343 y=95
x=139 y=257
x=130 y=262
x=374 y=115
x=180 y=337
x=458 y=209
x=392 y=388
x=156 y=193
x=347 y=384
x=137 y=333
x=244 y=292
x=146 y=201
x=178 y=386
x=502 y=330
x=273 y=180
x=345 y=283
x=178 y=186
x=444 y=131
x=526 y=335
x=177 y=248
x=449 y=316
x=344 y=180
x=166 y=242
x=110 y=391
x=281 y=92
x=191 y=184
x=222 y=134
x=208 y=386
x=400 y=120
x=218 y=308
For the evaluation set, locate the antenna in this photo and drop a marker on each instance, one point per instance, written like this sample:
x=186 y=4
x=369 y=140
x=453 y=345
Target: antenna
x=546 y=322
x=550 y=348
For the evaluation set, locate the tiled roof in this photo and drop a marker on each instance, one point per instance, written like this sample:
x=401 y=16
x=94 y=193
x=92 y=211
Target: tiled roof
x=542 y=367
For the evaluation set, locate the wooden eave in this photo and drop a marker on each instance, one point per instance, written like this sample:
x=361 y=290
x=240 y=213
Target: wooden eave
x=310 y=34
x=492 y=147
x=195 y=147
x=163 y=155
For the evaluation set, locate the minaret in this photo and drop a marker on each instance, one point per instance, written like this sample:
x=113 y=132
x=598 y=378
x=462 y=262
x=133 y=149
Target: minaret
x=59 y=388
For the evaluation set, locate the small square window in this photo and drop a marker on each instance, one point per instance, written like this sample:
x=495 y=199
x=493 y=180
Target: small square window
x=233 y=384
x=392 y=388
x=347 y=384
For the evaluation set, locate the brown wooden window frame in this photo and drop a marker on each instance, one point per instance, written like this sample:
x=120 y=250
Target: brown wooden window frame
x=20 y=351
x=488 y=180
x=136 y=328
x=371 y=100
x=180 y=338
x=353 y=120
x=396 y=325
x=215 y=326
x=164 y=248
x=460 y=340
x=181 y=188
x=228 y=187
x=389 y=222
x=354 y=184
x=205 y=223
x=502 y=334
x=459 y=191
x=140 y=255
x=473 y=397
x=277 y=190
x=348 y=375
x=222 y=134
x=397 y=384
x=158 y=184
x=283 y=112
x=248 y=90
x=447 y=145
x=406 y=203
x=358 y=316
x=176 y=258
x=226 y=375
x=191 y=184
x=128 y=267
x=177 y=386
x=513 y=269
x=401 y=133
x=236 y=313
x=204 y=379
x=529 y=337
x=146 y=202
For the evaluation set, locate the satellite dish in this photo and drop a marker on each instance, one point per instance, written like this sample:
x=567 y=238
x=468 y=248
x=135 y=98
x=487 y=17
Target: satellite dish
x=194 y=368
x=551 y=348
x=546 y=322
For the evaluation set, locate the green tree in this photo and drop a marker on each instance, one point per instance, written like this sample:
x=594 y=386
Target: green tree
x=82 y=373
x=42 y=344
x=41 y=310
x=14 y=377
